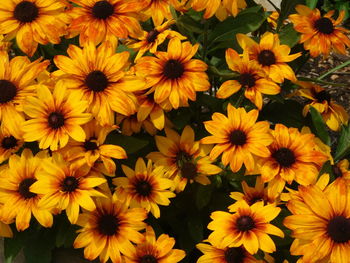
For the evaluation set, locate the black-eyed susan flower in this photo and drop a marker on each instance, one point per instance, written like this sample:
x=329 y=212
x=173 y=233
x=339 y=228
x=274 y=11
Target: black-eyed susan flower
x=251 y=78
x=238 y=137
x=270 y=55
x=249 y=227
x=54 y=117
x=93 y=149
x=174 y=75
x=109 y=230
x=184 y=158
x=319 y=33
x=100 y=75
x=146 y=186
x=19 y=201
x=9 y=144
x=320 y=223
x=17 y=81
x=130 y=125
x=65 y=187
x=100 y=20
x=154 y=249
x=33 y=22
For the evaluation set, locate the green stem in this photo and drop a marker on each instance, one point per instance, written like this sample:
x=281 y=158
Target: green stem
x=334 y=69
x=322 y=82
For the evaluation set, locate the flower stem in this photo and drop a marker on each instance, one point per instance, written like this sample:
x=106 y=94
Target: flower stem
x=334 y=70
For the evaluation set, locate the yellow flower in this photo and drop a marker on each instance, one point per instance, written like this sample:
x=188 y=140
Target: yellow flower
x=341 y=169
x=9 y=144
x=4 y=45
x=130 y=124
x=320 y=33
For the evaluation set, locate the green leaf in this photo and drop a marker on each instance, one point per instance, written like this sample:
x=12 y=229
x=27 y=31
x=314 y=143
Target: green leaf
x=195 y=228
x=130 y=144
x=287 y=8
x=203 y=195
x=12 y=246
x=311 y=3
x=288 y=36
x=189 y=23
x=319 y=125
x=343 y=147
x=65 y=233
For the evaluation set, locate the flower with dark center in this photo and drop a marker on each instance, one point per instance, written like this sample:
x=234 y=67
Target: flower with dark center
x=324 y=25
x=338 y=229
x=69 y=184
x=238 y=138
x=152 y=35
x=189 y=170
x=284 y=156
x=143 y=188
x=173 y=69
x=266 y=58
x=234 y=255
x=148 y=259
x=102 y=10
x=96 y=81
x=8 y=91
x=23 y=188
x=245 y=223
x=26 y=12
x=182 y=157
x=90 y=145
x=256 y=198
x=108 y=225
x=323 y=96
x=9 y=142
x=247 y=80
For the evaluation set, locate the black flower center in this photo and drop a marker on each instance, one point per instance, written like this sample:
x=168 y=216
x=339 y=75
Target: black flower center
x=324 y=25
x=245 y=223
x=266 y=58
x=148 y=259
x=247 y=80
x=9 y=142
x=234 y=255
x=339 y=229
x=69 y=184
x=322 y=96
x=108 y=225
x=284 y=156
x=56 y=120
x=26 y=12
x=8 y=91
x=90 y=145
x=143 y=188
x=173 y=69
x=152 y=35
x=23 y=188
x=102 y=10
x=188 y=170
x=255 y=198
x=96 y=81
x=238 y=138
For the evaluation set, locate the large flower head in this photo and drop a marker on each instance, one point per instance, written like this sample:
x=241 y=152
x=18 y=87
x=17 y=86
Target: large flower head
x=9 y=144
x=249 y=227
x=108 y=230
x=320 y=223
x=251 y=78
x=270 y=55
x=174 y=75
x=33 y=22
x=238 y=137
x=154 y=250
x=15 y=193
x=54 y=117
x=100 y=20
x=319 y=33
x=99 y=74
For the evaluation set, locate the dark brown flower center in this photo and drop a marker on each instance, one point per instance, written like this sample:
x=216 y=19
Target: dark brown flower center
x=23 y=188
x=8 y=91
x=284 y=156
x=108 y=225
x=143 y=188
x=337 y=172
x=266 y=58
x=322 y=96
x=255 y=198
x=102 y=9
x=182 y=157
x=56 y=120
x=173 y=69
x=148 y=259
x=324 y=25
x=339 y=229
x=245 y=223
x=234 y=255
x=247 y=80
x=69 y=184
x=238 y=137
x=152 y=35
x=96 y=81
x=90 y=145
x=26 y=12
x=9 y=142
x=188 y=170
